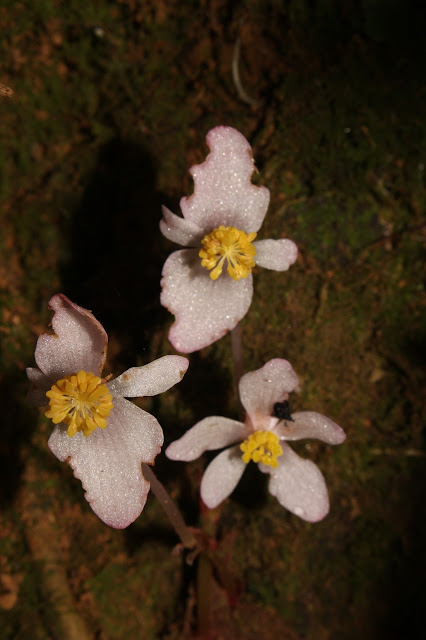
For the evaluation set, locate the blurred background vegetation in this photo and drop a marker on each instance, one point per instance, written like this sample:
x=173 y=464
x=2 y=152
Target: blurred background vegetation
x=111 y=103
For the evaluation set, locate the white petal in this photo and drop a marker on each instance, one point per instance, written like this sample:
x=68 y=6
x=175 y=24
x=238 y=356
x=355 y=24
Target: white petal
x=277 y=255
x=261 y=389
x=179 y=230
x=108 y=462
x=80 y=341
x=39 y=385
x=153 y=378
x=205 y=309
x=223 y=192
x=211 y=433
x=222 y=476
x=309 y=424
x=299 y=486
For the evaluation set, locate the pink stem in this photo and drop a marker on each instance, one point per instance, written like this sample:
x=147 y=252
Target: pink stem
x=174 y=515
x=237 y=359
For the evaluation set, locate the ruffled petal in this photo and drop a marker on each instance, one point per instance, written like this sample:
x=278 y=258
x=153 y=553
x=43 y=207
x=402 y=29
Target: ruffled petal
x=211 y=433
x=153 y=378
x=309 y=424
x=79 y=343
x=39 y=385
x=205 y=309
x=299 y=486
x=261 y=389
x=179 y=230
x=108 y=462
x=277 y=255
x=221 y=477
x=223 y=192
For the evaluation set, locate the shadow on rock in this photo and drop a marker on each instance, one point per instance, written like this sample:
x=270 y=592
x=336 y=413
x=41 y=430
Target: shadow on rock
x=116 y=254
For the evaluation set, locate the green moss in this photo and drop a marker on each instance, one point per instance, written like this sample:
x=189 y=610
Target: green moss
x=132 y=601
x=339 y=139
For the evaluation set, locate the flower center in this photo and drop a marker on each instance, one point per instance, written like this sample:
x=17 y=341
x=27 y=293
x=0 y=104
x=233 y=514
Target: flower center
x=262 y=446
x=81 y=401
x=231 y=244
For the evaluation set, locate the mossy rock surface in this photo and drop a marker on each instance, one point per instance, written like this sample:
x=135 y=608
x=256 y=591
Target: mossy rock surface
x=111 y=104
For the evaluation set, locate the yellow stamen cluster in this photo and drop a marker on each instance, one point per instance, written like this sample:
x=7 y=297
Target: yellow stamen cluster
x=262 y=446
x=231 y=244
x=81 y=401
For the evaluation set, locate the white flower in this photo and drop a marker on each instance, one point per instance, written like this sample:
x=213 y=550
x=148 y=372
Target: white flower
x=209 y=286
x=103 y=436
x=298 y=484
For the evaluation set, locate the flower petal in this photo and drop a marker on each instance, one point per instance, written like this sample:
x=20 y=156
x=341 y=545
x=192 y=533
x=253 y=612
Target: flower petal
x=153 y=378
x=108 y=462
x=179 y=230
x=205 y=309
x=80 y=341
x=261 y=389
x=299 y=486
x=222 y=476
x=309 y=424
x=39 y=385
x=277 y=255
x=223 y=192
x=211 y=433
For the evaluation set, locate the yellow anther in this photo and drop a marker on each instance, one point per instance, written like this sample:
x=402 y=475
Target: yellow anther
x=262 y=446
x=231 y=244
x=82 y=401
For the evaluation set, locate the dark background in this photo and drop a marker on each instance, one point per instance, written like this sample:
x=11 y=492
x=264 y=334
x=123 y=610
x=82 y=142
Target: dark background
x=111 y=104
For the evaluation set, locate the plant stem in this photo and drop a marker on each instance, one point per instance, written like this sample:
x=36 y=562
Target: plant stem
x=174 y=515
x=237 y=359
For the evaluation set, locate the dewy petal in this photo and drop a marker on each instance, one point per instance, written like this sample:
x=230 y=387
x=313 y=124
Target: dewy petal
x=309 y=424
x=179 y=230
x=153 y=378
x=299 y=486
x=205 y=309
x=221 y=477
x=223 y=192
x=80 y=341
x=277 y=255
x=108 y=462
x=261 y=389
x=211 y=433
x=39 y=385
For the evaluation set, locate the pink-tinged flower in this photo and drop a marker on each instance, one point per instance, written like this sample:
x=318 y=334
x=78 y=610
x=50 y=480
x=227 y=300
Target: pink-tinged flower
x=209 y=287
x=103 y=436
x=298 y=484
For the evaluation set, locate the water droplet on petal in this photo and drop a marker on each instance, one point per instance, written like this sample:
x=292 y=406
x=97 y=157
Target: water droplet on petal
x=299 y=511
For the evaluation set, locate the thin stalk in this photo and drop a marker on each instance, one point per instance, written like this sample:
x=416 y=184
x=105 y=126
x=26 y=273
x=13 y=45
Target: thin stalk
x=174 y=515
x=237 y=359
